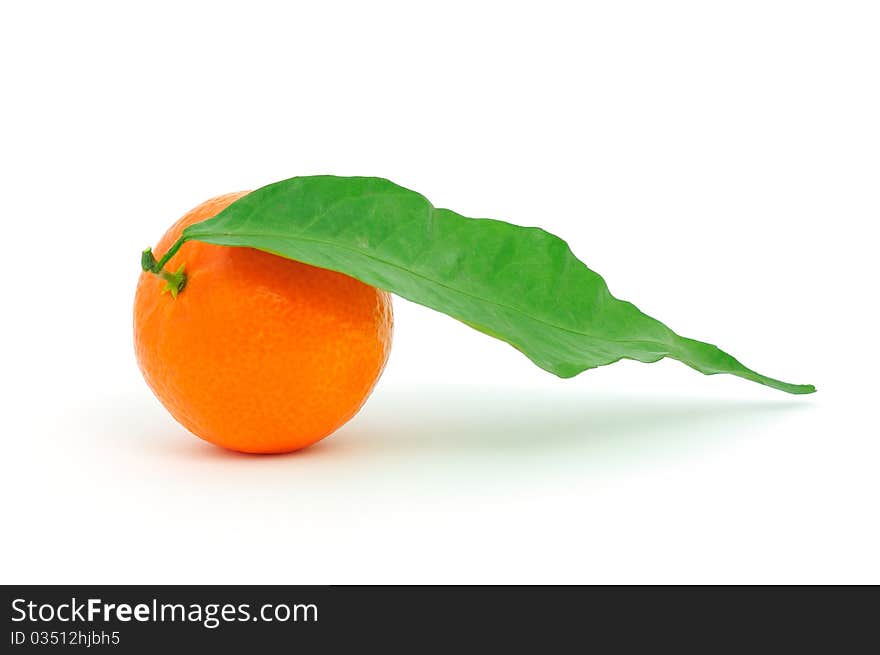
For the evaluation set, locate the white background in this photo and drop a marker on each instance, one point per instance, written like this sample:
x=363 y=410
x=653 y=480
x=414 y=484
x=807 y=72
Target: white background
x=716 y=162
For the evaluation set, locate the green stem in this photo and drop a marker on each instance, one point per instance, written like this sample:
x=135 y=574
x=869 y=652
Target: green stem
x=174 y=282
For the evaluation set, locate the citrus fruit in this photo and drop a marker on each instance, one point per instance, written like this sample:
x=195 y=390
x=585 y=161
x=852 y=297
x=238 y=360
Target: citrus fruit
x=258 y=353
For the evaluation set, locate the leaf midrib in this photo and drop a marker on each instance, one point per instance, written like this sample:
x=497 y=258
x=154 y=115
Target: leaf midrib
x=334 y=244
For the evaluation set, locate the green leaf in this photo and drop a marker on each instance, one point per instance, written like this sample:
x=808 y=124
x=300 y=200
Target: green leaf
x=521 y=285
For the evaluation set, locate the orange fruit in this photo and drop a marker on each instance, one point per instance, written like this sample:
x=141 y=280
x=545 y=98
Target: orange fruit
x=258 y=353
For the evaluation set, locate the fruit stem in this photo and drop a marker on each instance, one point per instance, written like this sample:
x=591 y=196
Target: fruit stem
x=174 y=282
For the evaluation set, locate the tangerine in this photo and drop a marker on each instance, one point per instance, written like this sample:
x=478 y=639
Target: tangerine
x=258 y=353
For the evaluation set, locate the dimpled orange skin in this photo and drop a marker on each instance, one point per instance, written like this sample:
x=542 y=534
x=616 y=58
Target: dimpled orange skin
x=258 y=353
